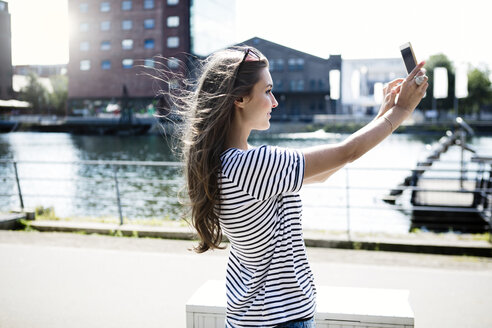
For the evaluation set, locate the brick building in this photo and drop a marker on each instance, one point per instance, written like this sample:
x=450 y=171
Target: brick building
x=301 y=81
x=6 y=91
x=113 y=42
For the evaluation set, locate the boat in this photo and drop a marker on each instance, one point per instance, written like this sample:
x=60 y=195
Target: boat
x=8 y=126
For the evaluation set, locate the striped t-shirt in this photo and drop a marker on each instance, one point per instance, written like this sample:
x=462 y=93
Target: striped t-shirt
x=268 y=279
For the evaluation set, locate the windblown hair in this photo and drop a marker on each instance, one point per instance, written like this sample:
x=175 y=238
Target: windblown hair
x=208 y=113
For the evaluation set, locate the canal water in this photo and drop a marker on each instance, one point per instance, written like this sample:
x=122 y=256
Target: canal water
x=51 y=176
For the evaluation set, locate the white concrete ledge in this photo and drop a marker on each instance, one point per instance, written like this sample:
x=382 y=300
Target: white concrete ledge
x=336 y=307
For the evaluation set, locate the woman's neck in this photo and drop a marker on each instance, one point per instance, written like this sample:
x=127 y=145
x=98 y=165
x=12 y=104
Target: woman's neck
x=238 y=136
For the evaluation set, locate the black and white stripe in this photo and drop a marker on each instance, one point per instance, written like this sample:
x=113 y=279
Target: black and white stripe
x=268 y=278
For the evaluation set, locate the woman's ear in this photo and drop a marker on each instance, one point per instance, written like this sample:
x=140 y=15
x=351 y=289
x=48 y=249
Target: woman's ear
x=239 y=102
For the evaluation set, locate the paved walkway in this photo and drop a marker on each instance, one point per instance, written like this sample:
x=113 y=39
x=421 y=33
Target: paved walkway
x=57 y=280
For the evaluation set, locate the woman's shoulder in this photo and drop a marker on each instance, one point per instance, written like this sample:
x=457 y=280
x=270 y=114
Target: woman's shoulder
x=234 y=152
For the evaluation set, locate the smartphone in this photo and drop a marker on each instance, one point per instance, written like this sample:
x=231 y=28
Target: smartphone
x=408 y=56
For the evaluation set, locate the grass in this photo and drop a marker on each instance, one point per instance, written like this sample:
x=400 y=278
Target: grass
x=48 y=213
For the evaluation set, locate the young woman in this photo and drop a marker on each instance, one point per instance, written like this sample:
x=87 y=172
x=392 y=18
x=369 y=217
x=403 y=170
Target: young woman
x=250 y=194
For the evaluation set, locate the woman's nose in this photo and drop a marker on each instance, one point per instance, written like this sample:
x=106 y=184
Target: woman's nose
x=274 y=101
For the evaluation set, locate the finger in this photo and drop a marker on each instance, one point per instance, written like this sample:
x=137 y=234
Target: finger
x=414 y=72
x=395 y=82
x=426 y=78
x=422 y=89
x=393 y=96
x=388 y=87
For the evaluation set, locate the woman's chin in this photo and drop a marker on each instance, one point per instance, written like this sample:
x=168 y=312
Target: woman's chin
x=264 y=127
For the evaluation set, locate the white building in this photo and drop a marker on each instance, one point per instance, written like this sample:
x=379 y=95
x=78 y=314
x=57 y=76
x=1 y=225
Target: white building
x=362 y=81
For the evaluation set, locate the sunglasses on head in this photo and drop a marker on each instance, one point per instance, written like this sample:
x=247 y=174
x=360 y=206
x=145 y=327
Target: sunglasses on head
x=249 y=56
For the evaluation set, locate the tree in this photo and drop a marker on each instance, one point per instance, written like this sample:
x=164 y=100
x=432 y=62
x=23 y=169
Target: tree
x=58 y=98
x=479 y=91
x=42 y=101
x=35 y=93
x=439 y=60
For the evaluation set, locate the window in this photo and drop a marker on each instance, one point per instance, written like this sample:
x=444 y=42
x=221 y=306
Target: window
x=85 y=65
x=312 y=84
x=292 y=64
x=127 y=63
x=105 y=64
x=172 y=2
x=300 y=64
x=296 y=85
x=149 y=23
x=84 y=27
x=105 y=7
x=279 y=85
x=173 y=21
x=280 y=65
x=149 y=44
x=173 y=63
x=300 y=85
x=126 y=25
x=276 y=65
x=149 y=63
x=84 y=46
x=126 y=5
x=83 y=7
x=105 y=26
x=173 y=42
x=296 y=64
x=105 y=45
x=127 y=44
x=148 y=4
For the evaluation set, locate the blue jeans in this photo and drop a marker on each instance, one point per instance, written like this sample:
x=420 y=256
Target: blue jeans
x=298 y=324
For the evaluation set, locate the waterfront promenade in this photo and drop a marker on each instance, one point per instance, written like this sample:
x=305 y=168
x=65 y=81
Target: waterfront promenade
x=68 y=280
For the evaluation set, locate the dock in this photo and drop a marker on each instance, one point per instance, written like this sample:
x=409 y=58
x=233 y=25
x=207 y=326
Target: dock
x=11 y=221
x=458 y=198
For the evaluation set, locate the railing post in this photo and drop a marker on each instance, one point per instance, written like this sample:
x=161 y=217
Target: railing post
x=115 y=171
x=347 y=202
x=462 y=140
x=18 y=186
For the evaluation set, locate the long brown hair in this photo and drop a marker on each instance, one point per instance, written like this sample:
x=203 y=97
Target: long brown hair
x=225 y=77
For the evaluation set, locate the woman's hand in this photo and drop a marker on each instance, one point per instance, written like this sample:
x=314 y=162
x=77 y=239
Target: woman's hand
x=322 y=160
x=410 y=92
x=390 y=91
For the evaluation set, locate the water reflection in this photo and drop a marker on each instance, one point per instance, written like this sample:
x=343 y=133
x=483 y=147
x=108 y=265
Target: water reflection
x=76 y=190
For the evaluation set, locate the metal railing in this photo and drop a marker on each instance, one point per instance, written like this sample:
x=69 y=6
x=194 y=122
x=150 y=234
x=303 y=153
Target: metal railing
x=118 y=197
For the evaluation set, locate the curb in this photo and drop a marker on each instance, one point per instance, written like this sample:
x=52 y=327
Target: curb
x=127 y=230
x=479 y=248
x=402 y=247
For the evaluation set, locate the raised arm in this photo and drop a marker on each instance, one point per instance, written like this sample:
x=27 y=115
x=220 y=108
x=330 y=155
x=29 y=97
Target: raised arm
x=322 y=161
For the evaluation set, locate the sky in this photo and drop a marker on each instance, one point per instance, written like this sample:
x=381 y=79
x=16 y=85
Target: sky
x=352 y=28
